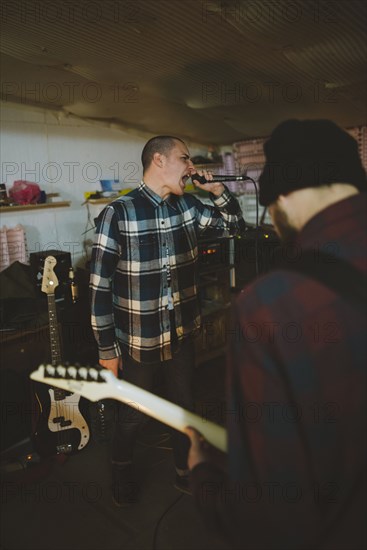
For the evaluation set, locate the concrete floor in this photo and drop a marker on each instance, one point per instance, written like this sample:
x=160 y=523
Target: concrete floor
x=67 y=505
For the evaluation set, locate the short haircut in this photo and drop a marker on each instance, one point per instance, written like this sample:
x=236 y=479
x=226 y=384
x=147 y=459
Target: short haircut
x=157 y=144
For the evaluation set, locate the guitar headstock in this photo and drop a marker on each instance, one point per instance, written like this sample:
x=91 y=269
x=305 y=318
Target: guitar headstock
x=49 y=279
x=89 y=382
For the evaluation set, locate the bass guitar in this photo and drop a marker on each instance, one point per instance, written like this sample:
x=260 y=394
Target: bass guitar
x=61 y=428
x=96 y=383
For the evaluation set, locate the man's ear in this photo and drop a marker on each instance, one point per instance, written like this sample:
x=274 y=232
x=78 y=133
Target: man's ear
x=281 y=197
x=282 y=201
x=158 y=160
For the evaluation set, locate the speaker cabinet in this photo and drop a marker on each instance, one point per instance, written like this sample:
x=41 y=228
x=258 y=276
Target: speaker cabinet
x=22 y=351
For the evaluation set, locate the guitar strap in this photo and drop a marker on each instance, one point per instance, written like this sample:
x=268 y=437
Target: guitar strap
x=337 y=274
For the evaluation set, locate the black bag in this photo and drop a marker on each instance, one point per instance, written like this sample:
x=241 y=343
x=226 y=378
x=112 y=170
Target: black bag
x=20 y=306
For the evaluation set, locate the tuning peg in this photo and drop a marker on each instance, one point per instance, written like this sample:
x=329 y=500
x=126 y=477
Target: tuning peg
x=50 y=370
x=72 y=372
x=83 y=373
x=93 y=373
x=61 y=371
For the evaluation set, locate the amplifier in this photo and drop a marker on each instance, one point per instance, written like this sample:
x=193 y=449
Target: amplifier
x=214 y=253
x=63 y=259
x=251 y=248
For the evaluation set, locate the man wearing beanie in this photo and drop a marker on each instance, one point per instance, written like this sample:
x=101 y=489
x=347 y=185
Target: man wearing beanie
x=296 y=379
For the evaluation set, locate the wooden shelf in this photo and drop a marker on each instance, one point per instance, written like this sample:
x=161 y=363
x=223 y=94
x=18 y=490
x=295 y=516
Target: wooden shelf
x=34 y=206
x=209 y=165
x=104 y=200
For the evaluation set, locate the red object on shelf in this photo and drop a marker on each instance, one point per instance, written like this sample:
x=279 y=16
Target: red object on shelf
x=25 y=192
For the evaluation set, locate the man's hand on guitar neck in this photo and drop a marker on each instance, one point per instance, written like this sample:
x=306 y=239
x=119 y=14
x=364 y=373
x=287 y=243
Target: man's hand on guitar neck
x=202 y=451
x=112 y=364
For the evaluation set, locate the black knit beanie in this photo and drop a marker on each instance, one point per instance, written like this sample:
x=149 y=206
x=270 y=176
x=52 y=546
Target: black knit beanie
x=309 y=153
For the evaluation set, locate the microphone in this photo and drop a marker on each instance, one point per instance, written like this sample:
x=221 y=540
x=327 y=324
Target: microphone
x=218 y=177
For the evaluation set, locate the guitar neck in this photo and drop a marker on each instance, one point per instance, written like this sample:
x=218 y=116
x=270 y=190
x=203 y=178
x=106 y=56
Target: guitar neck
x=49 y=283
x=54 y=332
x=97 y=384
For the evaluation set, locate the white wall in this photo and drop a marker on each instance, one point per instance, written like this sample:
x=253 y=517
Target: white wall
x=68 y=156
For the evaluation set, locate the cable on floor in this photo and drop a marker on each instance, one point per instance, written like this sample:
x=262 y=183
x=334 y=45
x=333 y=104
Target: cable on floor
x=154 y=547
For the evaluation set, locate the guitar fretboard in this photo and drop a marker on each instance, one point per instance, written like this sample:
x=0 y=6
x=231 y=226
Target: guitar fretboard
x=54 y=339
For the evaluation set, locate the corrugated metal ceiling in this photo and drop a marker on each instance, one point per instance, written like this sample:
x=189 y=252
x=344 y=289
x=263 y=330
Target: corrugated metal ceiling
x=211 y=71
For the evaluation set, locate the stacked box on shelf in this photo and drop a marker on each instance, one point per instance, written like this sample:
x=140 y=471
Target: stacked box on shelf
x=249 y=155
x=359 y=133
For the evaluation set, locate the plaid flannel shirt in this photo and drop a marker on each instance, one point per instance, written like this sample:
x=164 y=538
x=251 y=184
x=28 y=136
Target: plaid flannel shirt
x=296 y=405
x=136 y=236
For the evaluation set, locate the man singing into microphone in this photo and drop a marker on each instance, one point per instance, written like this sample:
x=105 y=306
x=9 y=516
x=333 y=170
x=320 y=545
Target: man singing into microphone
x=144 y=291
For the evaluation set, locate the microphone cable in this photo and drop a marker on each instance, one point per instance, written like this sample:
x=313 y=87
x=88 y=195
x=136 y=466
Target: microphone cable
x=256 y=246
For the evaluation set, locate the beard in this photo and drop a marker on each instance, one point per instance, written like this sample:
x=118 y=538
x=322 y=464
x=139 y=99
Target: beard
x=282 y=225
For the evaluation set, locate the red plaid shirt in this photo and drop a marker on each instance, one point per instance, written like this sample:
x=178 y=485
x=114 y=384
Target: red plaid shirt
x=296 y=405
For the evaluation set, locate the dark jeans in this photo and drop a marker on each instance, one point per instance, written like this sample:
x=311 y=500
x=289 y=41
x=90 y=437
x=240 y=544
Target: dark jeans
x=177 y=377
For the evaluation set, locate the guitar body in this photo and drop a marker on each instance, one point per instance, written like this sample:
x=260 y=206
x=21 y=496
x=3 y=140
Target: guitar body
x=62 y=427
